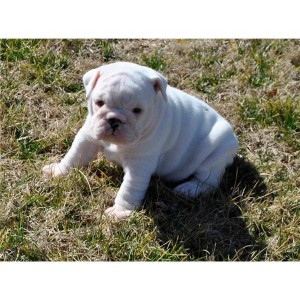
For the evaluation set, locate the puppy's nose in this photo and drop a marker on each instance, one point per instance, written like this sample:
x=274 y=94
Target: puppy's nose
x=114 y=123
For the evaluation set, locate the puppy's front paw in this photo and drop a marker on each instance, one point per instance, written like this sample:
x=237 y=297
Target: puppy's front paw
x=54 y=170
x=117 y=212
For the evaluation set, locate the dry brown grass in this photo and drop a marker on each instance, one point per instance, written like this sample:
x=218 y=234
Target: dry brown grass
x=255 y=215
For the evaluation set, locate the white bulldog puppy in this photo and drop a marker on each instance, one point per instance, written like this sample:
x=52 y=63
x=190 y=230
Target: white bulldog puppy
x=149 y=128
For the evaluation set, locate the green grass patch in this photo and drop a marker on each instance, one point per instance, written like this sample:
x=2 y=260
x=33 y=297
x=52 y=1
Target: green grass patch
x=30 y=149
x=205 y=58
x=209 y=83
x=12 y=50
x=155 y=61
x=263 y=64
x=284 y=114
x=107 y=51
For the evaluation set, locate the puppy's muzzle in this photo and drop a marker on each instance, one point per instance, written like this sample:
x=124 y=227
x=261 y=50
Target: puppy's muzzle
x=114 y=123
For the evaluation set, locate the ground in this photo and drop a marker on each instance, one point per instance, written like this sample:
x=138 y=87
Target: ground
x=254 y=215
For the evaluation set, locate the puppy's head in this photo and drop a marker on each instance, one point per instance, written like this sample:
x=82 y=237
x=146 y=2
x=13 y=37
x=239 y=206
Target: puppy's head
x=123 y=100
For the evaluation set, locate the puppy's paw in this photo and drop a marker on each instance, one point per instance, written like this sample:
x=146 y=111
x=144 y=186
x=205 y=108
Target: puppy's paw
x=117 y=213
x=192 y=189
x=54 y=170
x=187 y=189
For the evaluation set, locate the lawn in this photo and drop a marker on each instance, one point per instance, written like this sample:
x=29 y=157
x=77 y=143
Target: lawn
x=253 y=216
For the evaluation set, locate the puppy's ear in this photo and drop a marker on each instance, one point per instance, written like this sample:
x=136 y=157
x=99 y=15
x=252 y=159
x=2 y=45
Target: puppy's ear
x=160 y=84
x=90 y=79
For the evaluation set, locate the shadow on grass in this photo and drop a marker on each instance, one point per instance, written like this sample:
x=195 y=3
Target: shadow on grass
x=210 y=227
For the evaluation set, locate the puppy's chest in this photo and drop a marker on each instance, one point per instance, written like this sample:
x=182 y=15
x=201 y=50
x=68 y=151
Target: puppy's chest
x=112 y=153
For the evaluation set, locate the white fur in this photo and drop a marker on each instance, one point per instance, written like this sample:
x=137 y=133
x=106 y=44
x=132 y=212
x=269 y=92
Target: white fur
x=175 y=136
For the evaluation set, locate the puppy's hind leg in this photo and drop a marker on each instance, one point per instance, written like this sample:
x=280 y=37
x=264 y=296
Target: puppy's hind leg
x=208 y=175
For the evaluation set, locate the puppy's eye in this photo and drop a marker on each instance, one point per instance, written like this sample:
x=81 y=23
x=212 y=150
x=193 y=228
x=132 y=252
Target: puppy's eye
x=99 y=103
x=137 y=110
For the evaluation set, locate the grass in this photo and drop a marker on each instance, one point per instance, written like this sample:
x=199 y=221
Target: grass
x=155 y=61
x=284 y=114
x=253 y=216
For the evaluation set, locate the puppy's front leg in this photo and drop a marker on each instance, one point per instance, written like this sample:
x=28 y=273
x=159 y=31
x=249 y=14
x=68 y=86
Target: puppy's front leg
x=132 y=191
x=82 y=151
